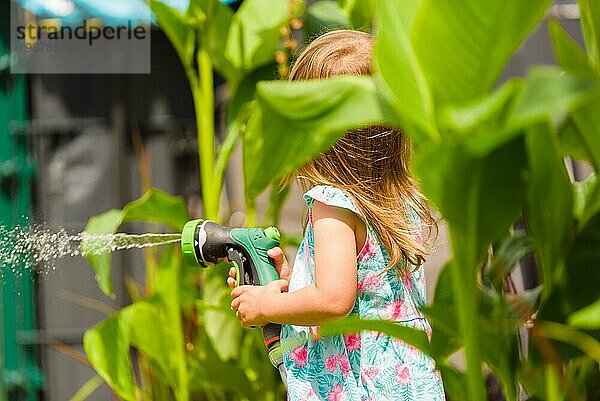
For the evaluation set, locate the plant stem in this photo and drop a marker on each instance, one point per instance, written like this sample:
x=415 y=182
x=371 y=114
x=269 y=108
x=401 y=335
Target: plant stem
x=553 y=392
x=250 y=212
x=464 y=280
x=204 y=105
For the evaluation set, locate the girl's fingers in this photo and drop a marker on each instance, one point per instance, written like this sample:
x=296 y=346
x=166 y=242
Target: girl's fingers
x=231 y=282
x=278 y=257
x=235 y=304
x=276 y=254
x=237 y=291
x=232 y=272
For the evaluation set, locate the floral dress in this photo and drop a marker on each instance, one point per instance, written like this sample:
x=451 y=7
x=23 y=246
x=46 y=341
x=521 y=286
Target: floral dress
x=367 y=366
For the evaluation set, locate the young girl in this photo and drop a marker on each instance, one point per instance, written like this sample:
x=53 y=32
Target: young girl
x=361 y=255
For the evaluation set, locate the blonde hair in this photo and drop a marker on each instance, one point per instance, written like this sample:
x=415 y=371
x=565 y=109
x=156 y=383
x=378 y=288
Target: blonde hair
x=370 y=163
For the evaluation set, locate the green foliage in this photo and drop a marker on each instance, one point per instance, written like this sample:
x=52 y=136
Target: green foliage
x=154 y=207
x=312 y=114
x=237 y=45
x=550 y=219
x=254 y=36
x=590 y=25
x=402 y=79
x=485 y=157
x=411 y=336
x=172 y=311
x=187 y=342
x=467 y=47
x=323 y=16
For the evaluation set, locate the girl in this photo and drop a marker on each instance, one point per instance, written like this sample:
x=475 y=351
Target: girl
x=361 y=255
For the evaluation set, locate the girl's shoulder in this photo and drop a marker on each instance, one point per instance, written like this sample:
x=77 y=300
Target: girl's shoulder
x=331 y=196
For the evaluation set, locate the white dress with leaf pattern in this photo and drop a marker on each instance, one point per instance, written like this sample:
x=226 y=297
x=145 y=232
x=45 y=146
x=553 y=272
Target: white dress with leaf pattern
x=367 y=366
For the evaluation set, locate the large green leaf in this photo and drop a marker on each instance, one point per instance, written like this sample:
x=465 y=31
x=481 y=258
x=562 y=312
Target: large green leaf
x=455 y=383
x=238 y=106
x=107 y=348
x=154 y=207
x=484 y=123
x=208 y=371
x=587 y=198
x=568 y=53
x=215 y=40
x=323 y=16
x=576 y=286
x=105 y=223
x=571 y=143
x=464 y=47
x=587 y=317
x=148 y=333
x=401 y=79
x=295 y=121
x=221 y=326
x=359 y=12
x=496 y=323
x=549 y=199
x=506 y=257
x=479 y=199
x=254 y=34
x=175 y=26
x=143 y=326
x=492 y=110
x=445 y=339
x=587 y=121
x=415 y=337
x=569 y=101
x=499 y=326
x=550 y=94
x=168 y=286
x=590 y=25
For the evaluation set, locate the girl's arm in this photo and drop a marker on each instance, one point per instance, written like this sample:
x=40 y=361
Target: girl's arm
x=331 y=296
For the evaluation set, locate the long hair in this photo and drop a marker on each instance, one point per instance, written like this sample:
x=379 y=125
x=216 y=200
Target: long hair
x=371 y=164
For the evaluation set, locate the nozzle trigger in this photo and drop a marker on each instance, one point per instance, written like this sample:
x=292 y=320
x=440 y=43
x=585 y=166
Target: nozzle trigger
x=242 y=275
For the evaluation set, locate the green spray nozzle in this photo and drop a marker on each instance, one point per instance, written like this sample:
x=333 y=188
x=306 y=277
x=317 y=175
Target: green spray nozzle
x=205 y=243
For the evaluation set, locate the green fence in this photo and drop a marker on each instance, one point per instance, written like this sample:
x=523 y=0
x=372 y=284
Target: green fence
x=20 y=378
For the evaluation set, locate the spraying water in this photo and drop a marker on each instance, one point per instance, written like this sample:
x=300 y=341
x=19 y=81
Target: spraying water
x=33 y=245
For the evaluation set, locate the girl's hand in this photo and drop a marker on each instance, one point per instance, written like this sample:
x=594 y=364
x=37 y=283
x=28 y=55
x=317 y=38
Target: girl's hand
x=279 y=260
x=251 y=303
x=281 y=264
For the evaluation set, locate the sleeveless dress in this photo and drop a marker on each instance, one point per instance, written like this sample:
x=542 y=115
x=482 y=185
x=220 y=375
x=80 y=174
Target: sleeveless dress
x=367 y=366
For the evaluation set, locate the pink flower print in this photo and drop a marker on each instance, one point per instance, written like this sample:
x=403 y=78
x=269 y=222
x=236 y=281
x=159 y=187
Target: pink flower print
x=428 y=332
x=344 y=365
x=352 y=342
x=408 y=346
x=371 y=281
x=406 y=277
x=397 y=310
x=299 y=355
x=310 y=395
x=402 y=375
x=331 y=363
x=369 y=249
x=337 y=393
x=368 y=374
